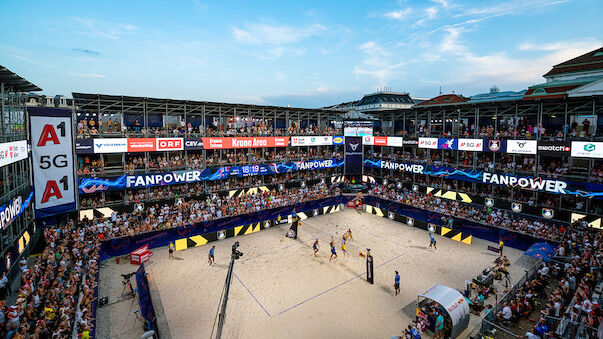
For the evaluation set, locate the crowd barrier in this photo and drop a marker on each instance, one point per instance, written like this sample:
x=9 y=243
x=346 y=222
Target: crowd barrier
x=466 y=227
x=125 y=245
x=144 y=300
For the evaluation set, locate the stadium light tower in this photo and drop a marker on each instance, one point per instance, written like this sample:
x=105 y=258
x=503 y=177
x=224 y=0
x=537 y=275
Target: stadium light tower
x=236 y=254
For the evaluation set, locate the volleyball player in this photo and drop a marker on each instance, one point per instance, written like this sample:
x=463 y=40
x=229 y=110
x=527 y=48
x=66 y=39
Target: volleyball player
x=432 y=241
x=171 y=250
x=315 y=246
x=333 y=253
x=211 y=256
x=397 y=283
x=343 y=249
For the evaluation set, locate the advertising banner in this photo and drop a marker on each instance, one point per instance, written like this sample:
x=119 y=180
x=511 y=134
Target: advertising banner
x=12 y=209
x=111 y=145
x=560 y=148
x=382 y=141
x=169 y=144
x=193 y=144
x=338 y=140
x=84 y=146
x=428 y=143
x=448 y=144
x=91 y=185
x=495 y=145
x=521 y=146
x=586 y=149
x=141 y=144
x=12 y=152
x=312 y=141
x=257 y=142
x=510 y=180
x=52 y=160
x=475 y=145
x=353 y=156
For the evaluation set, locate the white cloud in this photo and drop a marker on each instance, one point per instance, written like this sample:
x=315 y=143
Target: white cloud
x=377 y=64
x=399 y=14
x=510 y=7
x=444 y=3
x=503 y=68
x=429 y=13
x=103 y=29
x=88 y=75
x=260 y=33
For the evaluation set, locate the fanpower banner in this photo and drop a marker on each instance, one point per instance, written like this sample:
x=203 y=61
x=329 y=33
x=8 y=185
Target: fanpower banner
x=540 y=184
x=52 y=160
x=91 y=185
x=14 y=207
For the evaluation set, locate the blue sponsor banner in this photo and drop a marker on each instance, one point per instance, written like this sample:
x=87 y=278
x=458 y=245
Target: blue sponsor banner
x=448 y=143
x=587 y=190
x=12 y=209
x=144 y=298
x=338 y=140
x=91 y=185
x=495 y=145
x=125 y=245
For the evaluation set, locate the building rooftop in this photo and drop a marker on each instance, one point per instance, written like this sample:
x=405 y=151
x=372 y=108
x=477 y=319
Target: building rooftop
x=496 y=95
x=444 y=99
x=590 y=61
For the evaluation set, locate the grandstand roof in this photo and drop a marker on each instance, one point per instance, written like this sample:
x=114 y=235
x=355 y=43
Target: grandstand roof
x=557 y=88
x=386 y=97
x=590 y=61
x=93 y=101
x=445 y=99
x=496 y=95
x=16 y=82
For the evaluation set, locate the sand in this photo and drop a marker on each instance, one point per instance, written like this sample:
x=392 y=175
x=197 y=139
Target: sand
x=281 y=290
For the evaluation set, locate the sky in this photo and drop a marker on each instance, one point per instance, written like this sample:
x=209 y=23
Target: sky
x=298 y=53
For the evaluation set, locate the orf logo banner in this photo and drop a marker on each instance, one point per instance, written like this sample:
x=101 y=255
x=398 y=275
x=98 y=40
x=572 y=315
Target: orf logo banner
x=52 y=160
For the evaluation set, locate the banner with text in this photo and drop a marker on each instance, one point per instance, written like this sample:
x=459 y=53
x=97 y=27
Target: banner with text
x=12 y=152
x=52 y=160
x=91 y=185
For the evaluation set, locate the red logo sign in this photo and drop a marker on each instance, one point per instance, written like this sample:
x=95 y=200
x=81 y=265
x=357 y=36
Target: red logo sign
x=141 y=144
x=170 y=144
x=380 y=141
x=226 y=143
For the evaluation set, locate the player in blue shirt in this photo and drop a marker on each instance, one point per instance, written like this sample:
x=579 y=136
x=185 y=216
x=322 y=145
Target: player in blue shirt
x=397 y=283
x=333 y=253
x=432 y=241
x=315 y=246
x=211 y=256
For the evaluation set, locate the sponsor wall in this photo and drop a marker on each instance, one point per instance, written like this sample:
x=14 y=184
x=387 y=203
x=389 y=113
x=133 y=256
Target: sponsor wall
x=52 y=160
x=91 y=185
x=12 y=152
x=383 y=141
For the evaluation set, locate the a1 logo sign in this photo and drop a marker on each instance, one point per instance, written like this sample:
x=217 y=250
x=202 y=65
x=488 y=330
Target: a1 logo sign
x=52 y=160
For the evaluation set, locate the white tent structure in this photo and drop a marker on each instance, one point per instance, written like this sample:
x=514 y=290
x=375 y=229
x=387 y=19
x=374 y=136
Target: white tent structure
x=457 y=308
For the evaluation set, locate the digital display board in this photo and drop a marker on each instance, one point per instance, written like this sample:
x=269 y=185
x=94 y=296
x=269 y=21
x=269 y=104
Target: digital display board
x=357 y=128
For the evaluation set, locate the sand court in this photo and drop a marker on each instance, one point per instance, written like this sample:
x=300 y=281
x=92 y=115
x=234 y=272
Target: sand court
x=280 y=289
